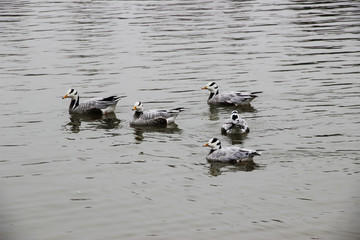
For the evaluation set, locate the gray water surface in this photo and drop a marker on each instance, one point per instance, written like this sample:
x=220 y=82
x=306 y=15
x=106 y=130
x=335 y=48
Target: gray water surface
x=63 y=177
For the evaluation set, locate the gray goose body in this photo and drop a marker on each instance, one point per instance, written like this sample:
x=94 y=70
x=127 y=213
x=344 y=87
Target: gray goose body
x=100 y=105
x=229 y=154
x=153 y=117
x=235 y=125
x=228 y=98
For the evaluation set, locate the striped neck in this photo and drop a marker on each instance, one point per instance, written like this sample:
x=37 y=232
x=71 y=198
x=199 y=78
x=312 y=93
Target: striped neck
x=74 y=103
x=213 y=94
x=137 y=114
x=214 y=149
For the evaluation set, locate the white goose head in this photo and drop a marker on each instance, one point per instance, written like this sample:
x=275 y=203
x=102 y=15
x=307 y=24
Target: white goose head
x=138 y=106
x=213 y=143
x=71 y=93
x=212 y=87
x=234 y=115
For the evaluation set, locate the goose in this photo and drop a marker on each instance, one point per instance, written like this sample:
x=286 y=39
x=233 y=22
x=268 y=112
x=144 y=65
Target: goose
x=228 y=98
x=98 y=105
x=153 y=117
x=235 y=124
x=228 y=154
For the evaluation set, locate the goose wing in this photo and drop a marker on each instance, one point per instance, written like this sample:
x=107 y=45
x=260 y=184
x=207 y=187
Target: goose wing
x=227 y=125
x=241 y=123
x=231 y=154
x=98 y=103
x=223 y=155
x=244 y=154
x=234 y=126
x=156 y=113
x=237 y=97
x=153 y=113
x=232 y=98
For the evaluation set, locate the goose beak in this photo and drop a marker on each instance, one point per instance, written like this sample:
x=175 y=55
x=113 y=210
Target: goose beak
x=206 y=144
x=134 y=108
x=65 y=96
x=204 y=87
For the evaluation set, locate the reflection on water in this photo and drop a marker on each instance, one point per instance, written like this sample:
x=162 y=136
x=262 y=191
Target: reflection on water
x=107 y=121
x=217 y=168
x=236 y=138
x=169 y=129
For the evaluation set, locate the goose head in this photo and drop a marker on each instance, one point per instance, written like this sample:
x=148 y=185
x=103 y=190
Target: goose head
x=213 y=143
x=234 y=115
x=212 y=87
x=71 y=93
x=138 y=106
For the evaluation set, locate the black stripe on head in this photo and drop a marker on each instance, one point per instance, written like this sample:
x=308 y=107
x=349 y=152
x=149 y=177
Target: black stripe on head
x=139 y=103
x=73 y=91
x=217 y=141
x=213 y=84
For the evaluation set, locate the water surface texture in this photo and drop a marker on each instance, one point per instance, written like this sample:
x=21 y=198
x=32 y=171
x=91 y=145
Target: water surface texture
x=64 y=177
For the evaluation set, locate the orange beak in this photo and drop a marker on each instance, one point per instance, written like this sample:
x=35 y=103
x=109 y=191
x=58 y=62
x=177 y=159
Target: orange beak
x=204 y=87
x=65 y=96
x=206 y=144
x=134 y=108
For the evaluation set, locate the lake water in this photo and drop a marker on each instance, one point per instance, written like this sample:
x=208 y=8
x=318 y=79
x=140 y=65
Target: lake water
x=70 y=178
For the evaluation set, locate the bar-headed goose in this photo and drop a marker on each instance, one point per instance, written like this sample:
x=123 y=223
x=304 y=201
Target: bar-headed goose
x=228 y=98
x=235 y=125
x=100 y=105
x=228 y=154
x=153 y=117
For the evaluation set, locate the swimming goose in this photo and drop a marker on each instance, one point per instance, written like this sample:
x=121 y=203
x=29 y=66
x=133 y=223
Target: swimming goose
x=228 y=154
x=98 y=105
x=228 y=98
x=154 y=117
x=235 y=125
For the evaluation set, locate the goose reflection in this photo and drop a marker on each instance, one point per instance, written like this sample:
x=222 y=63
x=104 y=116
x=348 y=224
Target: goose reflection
x=217 y=168
x=235 y=139
x=169 y=129
x=107 y=121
